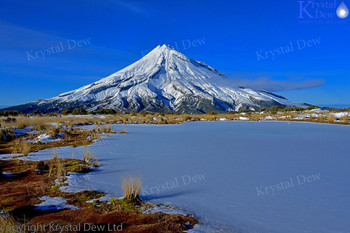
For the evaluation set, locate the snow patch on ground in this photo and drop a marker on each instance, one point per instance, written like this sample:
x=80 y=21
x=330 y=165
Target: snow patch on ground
x=44 y=138
x=53 y=203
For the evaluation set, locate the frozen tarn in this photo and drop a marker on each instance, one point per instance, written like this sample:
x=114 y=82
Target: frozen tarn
x=229 y=174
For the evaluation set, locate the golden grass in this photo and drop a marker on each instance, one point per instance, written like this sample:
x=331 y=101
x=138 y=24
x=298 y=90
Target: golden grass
x=44 y=122
x=124 y=131
x=106 y=129
x=92 y=133
x=21 y=146
x=97 y=164
x=331 y=118
x=55 y=155
x=88 y=156
x=51 y=166
x=53 y=131
x=61 y=172
x=131 y=187
x=68 y=124
x=345 y=119
x=56 y=166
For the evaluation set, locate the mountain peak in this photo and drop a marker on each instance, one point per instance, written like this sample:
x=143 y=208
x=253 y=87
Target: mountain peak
x=165 y=48
x=164 y=80
x=164 y=52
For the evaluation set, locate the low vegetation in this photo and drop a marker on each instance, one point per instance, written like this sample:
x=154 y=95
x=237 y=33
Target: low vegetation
x=21 y=146
x=132 y=187
x=88 y=156
x=19 y=136
x=46 y=132
x=19 y=194
x=84 y=128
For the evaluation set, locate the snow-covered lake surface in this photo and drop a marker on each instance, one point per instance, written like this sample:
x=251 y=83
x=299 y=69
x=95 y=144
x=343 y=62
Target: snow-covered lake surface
x=251 y=177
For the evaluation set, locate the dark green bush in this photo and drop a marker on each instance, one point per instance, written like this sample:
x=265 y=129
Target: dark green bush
x=105 y=111
x=79 y=111
x=10 y=113
x=67 y=112
x=37 y=112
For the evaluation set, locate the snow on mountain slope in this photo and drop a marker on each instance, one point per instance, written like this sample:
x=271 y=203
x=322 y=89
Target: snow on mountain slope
x=164 y=80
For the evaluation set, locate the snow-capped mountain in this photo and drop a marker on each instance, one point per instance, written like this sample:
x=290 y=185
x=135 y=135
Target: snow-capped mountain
x=164 y=80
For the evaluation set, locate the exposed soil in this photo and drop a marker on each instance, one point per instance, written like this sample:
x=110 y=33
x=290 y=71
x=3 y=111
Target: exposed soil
x=132 y=222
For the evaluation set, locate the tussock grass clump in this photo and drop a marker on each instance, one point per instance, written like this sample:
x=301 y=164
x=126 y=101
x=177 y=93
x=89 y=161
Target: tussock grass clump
x=132 y=187
x=345 y=119
x=124 y=131
x=21 y=146
x=88 y=156
x=51 y=166
x=56 y=168
x=96 y=163
x=55 y=155
x=93 y=133
x=106 y=129
x=40 y=126
x=331 y=118
x=54 y=131
x=61 y=172
x=321 y=119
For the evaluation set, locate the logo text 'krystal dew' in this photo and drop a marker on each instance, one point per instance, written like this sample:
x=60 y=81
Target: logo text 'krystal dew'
x=322 y=10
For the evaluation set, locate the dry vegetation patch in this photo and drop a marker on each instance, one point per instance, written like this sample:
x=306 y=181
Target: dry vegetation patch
x=30 y=180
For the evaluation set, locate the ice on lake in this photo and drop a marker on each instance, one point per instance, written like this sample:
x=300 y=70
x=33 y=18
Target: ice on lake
x=254 y=177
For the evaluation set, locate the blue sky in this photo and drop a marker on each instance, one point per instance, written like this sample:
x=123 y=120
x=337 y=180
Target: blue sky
x=295 y=48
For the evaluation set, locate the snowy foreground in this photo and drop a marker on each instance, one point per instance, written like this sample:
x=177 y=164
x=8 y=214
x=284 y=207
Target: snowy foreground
x=247 y=177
